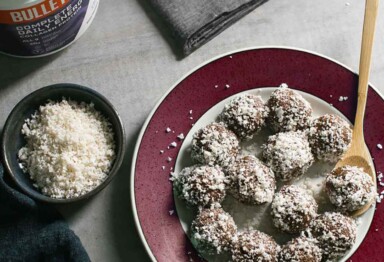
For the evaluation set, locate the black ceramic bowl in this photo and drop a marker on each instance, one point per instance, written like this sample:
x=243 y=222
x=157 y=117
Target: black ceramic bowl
x=12 y=139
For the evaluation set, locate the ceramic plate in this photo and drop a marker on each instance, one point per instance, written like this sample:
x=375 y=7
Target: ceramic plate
x=197 y=99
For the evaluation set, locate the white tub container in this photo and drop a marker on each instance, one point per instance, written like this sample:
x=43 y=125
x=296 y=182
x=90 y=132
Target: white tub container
x=35 y=28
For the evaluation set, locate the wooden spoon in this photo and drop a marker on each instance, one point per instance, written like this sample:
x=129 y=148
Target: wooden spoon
x=358 y=154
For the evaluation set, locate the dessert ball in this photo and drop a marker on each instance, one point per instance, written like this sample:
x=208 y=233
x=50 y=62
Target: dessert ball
x=329 y=137
x=288 y=154
x=245 y=115
x=254 y=245
x=215 y=145
x=288 y=110
x=349 y=188
x=301 y=249
x=200 y=185
x=293 y=209
x=335 y=233
x=252 y=182
x=212 y=230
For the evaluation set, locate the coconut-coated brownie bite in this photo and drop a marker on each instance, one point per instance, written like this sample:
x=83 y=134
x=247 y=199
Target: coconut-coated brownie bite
x=288 y=110
x=300 y=249
x=201 y=185
x=214 y=144
x=253 y=245
x=349 y=188
x=245 y=115
x=213 y=230
x=288 y=155
x=293 y=209
x=335 y=234
x=329 y=137
x=251 y=181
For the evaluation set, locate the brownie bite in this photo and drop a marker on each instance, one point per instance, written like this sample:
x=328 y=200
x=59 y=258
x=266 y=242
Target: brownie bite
x=288 y=155
x=213 y=230
x=288 y=110
x=201 y=185
x=293 y=209
x=251 y=181
x=329 y=137
x=215 y=145
x=300 y=249
x=349 y=188
x=245 y=115
x=335 y=234
x=253 y=245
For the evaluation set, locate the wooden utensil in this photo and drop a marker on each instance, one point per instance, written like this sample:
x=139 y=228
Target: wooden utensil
x=358 y=154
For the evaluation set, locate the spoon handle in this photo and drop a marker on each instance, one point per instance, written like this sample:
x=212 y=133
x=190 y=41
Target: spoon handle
x=371 y=9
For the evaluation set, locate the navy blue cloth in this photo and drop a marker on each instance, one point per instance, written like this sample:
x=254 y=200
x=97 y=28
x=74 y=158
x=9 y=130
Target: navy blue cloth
x=30 y=231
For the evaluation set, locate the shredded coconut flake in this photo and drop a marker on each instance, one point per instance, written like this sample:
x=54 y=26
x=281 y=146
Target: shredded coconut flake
x=70 y=148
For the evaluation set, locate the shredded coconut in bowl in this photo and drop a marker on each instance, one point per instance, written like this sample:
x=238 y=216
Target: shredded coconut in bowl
x=70 y=148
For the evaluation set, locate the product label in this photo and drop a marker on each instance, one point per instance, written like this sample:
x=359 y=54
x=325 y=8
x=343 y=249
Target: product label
x=41 y=28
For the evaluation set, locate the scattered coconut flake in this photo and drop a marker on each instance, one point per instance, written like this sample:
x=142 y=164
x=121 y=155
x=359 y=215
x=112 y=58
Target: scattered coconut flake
x=161 y=151
x=169 y=159
x=181 y=136
x=230 y=56
x=163 y=167
x=171 y=212
x=380 y=146
x=190 y=112
x=173 y=176
x=358 y=221
x=227 y=86
x=216 y=86
x=168 y=130
x=284 y=85
x=173 y=144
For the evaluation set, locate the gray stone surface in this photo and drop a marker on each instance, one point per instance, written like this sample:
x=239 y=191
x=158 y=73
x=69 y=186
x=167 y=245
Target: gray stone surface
x=126 y=56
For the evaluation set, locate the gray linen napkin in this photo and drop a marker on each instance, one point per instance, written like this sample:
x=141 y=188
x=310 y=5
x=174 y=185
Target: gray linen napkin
x=194 y=22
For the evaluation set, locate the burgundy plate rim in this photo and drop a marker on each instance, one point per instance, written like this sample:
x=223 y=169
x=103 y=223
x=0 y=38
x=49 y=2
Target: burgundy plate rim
x=161 y=100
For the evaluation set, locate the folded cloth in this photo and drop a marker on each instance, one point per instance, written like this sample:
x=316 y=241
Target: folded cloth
x=195 y=22
x=30 y=231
